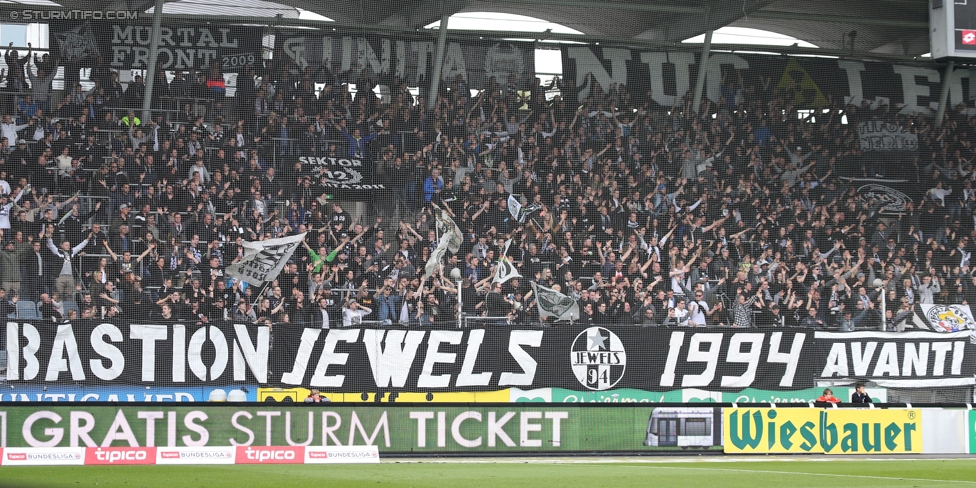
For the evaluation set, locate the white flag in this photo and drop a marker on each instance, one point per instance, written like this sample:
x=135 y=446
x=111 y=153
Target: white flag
x=514 y=206
x=450 y=242
x=263 y=260
x=948 y=318
x=554 y=304
x=506 y=270
x=435 y=259
x=450 y=233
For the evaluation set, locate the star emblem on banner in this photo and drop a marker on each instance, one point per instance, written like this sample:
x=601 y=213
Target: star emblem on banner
x=596 y=340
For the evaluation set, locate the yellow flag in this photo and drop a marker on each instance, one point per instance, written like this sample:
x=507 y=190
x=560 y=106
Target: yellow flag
x=805 y=92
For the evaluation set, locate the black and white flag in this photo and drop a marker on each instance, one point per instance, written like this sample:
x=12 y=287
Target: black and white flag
x=506 y=270
x=450 y=241
x=263 y=260
x=520 y=212
x=554 y=304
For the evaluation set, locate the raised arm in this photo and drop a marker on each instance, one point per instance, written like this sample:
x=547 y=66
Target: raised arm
x=115 y=257
x=53 y=248
x=152 y=247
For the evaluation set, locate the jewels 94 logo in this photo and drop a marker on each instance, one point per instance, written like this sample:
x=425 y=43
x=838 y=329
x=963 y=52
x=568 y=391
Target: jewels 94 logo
x=598 y=358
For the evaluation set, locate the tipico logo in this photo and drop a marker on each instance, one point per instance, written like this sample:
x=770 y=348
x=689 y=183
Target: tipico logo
x=120 y=455
x=270 y=455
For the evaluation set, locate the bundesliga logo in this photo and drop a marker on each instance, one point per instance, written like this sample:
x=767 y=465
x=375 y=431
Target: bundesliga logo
x=598 y=358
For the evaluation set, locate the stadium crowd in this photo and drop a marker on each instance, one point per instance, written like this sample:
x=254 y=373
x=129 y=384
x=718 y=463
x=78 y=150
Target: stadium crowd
x=744 y=215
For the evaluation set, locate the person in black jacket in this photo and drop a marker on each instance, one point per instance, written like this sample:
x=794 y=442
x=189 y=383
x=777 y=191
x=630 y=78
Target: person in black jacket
x=859 y=395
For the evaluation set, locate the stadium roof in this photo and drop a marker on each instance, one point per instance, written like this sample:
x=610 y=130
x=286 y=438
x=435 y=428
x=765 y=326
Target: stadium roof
x=883 y=28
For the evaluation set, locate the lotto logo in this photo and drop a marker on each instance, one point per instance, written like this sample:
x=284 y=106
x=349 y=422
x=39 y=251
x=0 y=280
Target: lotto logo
x=120 y=455
x=270 y=455
x=969 y=37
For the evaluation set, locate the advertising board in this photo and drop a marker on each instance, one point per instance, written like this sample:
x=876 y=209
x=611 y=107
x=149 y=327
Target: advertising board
x=828 y=431
x=263 y=434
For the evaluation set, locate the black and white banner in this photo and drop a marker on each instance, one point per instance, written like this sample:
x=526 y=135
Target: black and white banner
x=807 y=82
x=899 y=360
x=431 y=360
x=886 y=196
x=183 y=46
x=409 y=59
x=348 y=178
x=879 y=135
x=264 y=260
x=595 y=358
x=97 y=353
x=938 y=318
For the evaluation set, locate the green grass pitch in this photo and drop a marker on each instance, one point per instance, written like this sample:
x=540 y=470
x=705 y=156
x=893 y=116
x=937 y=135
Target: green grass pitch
x=483 y=473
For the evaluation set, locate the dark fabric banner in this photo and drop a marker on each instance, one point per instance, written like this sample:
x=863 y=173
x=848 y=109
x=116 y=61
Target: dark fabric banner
x=182 y=46
x=410 y=58
x=347 y=178
x=887 y=196
x=906 y=360
x=97 y=353
x=806 y=82
x=429 y=360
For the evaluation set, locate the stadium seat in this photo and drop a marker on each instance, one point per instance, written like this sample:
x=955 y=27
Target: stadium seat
x=27 y=309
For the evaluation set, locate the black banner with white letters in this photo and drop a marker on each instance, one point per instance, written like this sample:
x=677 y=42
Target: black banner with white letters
x=348 y=178
x=905 y=360
x=98 y=353
x=183 y=46
x=407 y=57
x=391 y=359
x=805 y=82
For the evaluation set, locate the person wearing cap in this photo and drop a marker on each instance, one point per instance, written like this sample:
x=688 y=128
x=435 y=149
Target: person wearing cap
x=353 y=313
x=121 y=219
